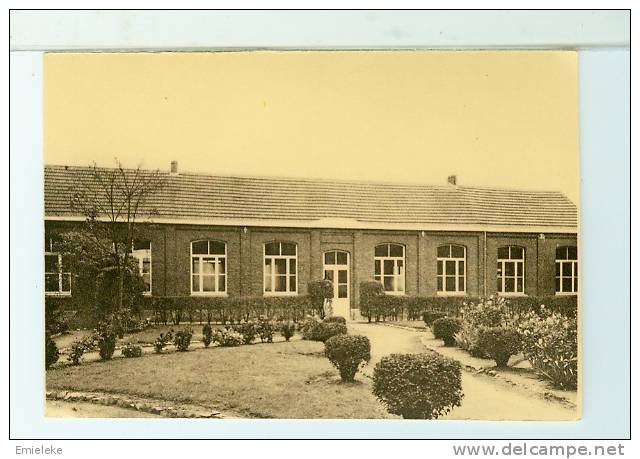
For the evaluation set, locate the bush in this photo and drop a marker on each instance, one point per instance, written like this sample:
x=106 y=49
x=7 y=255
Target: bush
x=287 y=329
x=227 y=309
x=182 y=339
x=319 y=292
x=78 y=348
x=228 y=338
x=247 y=330
x=430 y=317
x=321 y=331
x=131 y=350
x=51 y=351
x=207 y=335
x=446 y=329
x=486 y=313
x=418 y=386
x=370 y=291
x=106 y=342
x=335 y=320
x=550 y=344
x=265 y=330
x=54 y=320
x=499 y=343
x=347 y=353
x=162 y=340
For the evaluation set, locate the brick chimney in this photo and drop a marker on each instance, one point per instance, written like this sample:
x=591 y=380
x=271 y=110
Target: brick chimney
x=174 y=167
x=452 y=180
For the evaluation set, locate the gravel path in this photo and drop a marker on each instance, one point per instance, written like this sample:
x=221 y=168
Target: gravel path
x=484 y=397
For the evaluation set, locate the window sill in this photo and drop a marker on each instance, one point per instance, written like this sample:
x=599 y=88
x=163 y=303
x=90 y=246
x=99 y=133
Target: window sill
x=57 y=294
x=395 y=293
x=511 y=294
x=280 y=293
x=205 y=294
x=566 y=293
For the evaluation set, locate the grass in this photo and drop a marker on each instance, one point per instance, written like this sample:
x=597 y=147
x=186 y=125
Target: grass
x=278 y=380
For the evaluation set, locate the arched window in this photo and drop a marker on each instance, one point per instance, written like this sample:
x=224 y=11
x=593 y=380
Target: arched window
x=280 y=268
x=451 y=272
x=511 y=269
x=142 y=254
x=566 y=269
x=389 y=267
x=208 y=267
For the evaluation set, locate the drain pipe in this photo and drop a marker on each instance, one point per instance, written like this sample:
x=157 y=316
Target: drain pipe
x=484 y=262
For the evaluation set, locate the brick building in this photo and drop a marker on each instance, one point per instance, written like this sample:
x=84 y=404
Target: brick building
x=222 y=235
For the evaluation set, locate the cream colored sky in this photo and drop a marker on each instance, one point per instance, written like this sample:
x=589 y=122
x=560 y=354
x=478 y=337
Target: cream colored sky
x=501 y=119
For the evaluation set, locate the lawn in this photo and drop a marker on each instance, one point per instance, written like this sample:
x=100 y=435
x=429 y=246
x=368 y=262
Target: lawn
x=278 y=380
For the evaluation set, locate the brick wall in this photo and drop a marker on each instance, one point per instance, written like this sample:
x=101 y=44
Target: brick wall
x=171 y=256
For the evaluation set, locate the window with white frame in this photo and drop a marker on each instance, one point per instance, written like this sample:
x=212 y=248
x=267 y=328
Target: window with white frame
x=280 y=268
x=566 y=270
x=142 y=254
x=208 y=267
x=389 y=267
x=451 y=273
x=57 y=275
x=511 y=270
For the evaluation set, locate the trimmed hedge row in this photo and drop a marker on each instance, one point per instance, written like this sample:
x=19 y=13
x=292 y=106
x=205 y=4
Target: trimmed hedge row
x=178 y=309
x=391 y=307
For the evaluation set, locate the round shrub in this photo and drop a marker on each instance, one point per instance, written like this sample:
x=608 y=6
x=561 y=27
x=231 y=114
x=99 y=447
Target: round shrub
x=499 y=343
x=131 y=351
x=335 y=320
x=486 y=312
x=287 y=329
x=418 y=386
x=431 y=316
x=228 y=338
x=265 y=330
x=347 y=353
x=182 y=339
x=106 y=341
x=247 y=330
x=323 y=331
x=446 y=329
x=207 y=335
x=51 y=351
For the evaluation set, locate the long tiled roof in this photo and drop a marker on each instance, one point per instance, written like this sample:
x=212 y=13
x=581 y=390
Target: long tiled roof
x=192 y=197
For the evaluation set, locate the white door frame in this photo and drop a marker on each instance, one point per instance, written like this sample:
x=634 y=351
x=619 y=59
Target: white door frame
x=341 y=306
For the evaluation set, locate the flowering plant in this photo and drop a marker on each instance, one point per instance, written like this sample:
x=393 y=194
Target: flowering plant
x=550 y=343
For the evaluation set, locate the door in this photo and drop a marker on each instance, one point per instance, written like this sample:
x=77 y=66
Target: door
x=336 y=269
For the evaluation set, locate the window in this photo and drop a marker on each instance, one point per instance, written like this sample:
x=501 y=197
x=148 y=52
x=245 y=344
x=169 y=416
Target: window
x=57 y=276
x=451 y=274
x=280 y=268
x=142 y=254
x=208 y=268
x=389 y=267
x=511 y=270
x=566 y=270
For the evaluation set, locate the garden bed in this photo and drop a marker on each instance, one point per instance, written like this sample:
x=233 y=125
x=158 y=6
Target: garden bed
x=278 y=380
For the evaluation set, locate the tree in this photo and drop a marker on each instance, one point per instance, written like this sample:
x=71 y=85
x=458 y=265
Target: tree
x=114 y=201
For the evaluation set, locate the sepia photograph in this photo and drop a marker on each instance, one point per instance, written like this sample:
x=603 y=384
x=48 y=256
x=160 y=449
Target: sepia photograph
x=381 y=234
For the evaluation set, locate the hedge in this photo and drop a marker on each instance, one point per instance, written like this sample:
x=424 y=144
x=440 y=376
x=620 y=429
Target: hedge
x=378 y=306
x=178 y=309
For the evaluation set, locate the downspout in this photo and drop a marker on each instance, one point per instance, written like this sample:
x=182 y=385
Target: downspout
x=484 y=263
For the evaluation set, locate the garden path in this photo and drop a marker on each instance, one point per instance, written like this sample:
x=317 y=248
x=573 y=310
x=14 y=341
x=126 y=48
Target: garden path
x=484 y=397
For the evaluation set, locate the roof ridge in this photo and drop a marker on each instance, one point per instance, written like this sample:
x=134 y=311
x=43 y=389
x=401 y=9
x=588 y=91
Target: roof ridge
x=320 y=180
